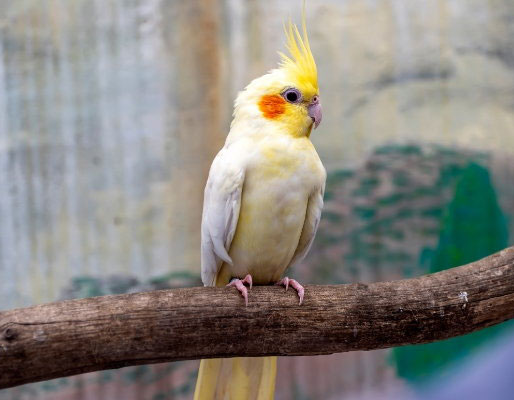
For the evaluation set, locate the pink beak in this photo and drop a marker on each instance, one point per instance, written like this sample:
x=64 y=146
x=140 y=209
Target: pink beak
x=315 y=112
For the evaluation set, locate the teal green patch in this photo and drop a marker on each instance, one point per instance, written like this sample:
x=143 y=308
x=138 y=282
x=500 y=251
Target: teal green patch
x=338 y=176
x=473 y=225
x=86 y=286
x=175 y=276
x=334 y=179
x=399 y=149
x=392 y=199
x=425 y=191
x=405 y=213
x=364 y=212
x=432 y=212
x=448 y=174
x=366 y=186
x=329 y=195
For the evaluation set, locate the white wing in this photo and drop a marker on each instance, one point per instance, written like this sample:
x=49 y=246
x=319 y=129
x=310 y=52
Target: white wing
x=310 y=226
x=221 y=204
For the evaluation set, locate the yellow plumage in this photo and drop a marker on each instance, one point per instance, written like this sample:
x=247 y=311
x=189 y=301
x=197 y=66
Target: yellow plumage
x=262 y=201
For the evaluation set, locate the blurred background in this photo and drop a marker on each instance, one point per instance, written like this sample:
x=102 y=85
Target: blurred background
x=111 y=112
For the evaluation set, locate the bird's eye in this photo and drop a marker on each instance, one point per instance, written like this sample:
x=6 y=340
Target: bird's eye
x=292 y=95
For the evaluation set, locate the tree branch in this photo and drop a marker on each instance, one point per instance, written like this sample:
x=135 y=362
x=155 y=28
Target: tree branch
x=71 y=337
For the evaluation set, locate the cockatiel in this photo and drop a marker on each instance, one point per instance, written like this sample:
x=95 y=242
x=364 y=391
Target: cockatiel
x=262 y=203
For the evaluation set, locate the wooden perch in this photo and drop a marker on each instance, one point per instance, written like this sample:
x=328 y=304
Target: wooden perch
x=76 y=336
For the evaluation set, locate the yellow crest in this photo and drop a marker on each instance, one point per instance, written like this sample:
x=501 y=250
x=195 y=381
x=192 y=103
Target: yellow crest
x=300 y=65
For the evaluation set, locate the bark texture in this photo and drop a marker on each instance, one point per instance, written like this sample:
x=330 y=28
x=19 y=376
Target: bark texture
x=71 y=337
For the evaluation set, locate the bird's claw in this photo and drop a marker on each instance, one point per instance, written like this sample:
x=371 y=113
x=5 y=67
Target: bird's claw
x=284 y=282
x=294 y=283
x=240 y=285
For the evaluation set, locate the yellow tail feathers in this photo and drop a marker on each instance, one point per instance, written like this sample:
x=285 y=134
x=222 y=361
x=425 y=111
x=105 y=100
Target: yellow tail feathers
x=239 y=378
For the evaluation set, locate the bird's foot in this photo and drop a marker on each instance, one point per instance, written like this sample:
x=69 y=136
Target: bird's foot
x=240 y=285
x=299 y=288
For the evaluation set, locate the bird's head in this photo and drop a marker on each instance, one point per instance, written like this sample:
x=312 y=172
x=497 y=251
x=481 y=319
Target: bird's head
x=286 y=97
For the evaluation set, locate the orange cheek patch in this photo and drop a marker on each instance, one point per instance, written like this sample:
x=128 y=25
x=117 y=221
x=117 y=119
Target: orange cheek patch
x=272 y=106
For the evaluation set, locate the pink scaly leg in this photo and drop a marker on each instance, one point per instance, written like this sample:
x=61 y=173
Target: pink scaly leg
x=299 y=288
x=239 y=284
